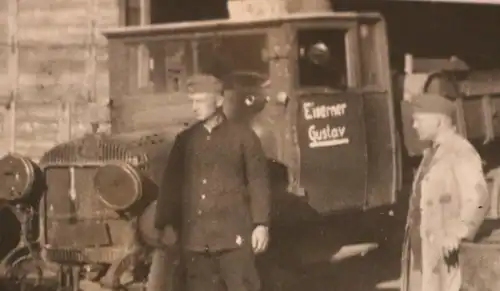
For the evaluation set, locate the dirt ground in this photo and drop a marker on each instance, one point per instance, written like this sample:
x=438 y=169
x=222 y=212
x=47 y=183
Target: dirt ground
x=377 y=270
x=303 y=261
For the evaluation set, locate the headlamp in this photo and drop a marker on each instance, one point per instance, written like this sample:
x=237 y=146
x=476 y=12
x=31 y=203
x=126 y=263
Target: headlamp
x=118 y=185
x=17 y=176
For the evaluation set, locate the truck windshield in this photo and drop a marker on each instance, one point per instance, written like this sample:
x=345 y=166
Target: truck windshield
x=162 y=66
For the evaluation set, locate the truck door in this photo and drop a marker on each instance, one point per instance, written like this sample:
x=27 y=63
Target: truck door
x=333 y=154
x=384 y=168
x=330 y=127
x=345 y=125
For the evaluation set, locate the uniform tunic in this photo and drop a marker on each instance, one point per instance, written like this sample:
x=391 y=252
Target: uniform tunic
x=214 y=192
x=216 y=187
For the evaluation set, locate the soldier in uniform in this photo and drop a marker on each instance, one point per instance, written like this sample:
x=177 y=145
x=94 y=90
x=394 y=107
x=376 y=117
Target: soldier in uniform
x=216 y=195
x=448 y=203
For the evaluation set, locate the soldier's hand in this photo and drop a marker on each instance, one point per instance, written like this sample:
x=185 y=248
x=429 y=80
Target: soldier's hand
x=165 y=237
x=450 y=245
x=260 y=239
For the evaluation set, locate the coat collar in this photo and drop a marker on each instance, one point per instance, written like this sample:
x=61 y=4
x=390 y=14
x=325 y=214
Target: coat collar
x=443 y=145
x=214 y=121
x=440 y=146
x=444 y=137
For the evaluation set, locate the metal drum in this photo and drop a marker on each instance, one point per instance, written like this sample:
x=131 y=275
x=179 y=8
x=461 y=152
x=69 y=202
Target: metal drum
x=17 y=176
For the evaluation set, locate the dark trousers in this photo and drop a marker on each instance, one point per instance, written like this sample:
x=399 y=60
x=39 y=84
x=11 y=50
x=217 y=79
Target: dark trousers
x=230 y=270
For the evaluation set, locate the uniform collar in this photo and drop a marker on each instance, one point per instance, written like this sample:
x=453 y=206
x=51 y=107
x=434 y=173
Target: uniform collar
x=214 y=121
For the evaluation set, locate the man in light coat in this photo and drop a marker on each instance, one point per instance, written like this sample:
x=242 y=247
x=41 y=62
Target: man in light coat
x=449 y=200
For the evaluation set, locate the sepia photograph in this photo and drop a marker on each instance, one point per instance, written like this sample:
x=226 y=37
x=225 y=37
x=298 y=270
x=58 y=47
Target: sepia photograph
x=249 y=145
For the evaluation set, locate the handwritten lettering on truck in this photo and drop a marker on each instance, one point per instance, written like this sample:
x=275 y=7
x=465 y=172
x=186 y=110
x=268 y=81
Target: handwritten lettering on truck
x=325 y=135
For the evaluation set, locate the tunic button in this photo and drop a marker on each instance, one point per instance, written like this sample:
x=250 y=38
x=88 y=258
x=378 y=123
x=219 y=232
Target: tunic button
x=204 y=181
x=203 y=196
x=199 y=212
x=208 y=137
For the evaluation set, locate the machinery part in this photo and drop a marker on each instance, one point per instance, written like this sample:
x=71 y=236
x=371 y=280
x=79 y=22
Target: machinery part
x=163 y=273
x=113 y=277
x=120 y=275
x=24 y=271
x=93 y=272
x=69 y=278
x=17 y=176
x=118 y=185
x=10 y=232
x=148 y=234
x=26 y=216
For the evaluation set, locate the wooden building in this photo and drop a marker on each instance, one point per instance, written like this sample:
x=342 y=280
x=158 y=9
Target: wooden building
x=53 y=71
x=53 y=64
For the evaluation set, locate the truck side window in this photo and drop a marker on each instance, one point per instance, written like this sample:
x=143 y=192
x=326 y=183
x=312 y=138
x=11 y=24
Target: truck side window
x=162 y=66
x=322 y=58
x=157 y=66
x=226 y=54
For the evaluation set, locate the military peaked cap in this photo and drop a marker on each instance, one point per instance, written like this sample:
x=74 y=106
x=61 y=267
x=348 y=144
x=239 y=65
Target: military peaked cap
x=203 y=83
x=433 y=103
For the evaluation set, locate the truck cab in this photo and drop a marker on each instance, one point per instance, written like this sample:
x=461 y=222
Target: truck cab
x=316 y=88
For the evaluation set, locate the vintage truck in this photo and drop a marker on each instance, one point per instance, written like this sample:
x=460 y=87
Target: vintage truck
x=317 y=88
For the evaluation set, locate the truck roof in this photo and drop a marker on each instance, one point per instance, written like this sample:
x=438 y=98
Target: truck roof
x=491 y=2
x=219 y=24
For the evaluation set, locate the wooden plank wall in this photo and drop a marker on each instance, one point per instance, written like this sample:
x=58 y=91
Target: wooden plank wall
x=4 y=76
x=53 y=71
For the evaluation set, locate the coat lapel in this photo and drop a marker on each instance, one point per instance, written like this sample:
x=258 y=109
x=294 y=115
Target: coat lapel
x=438 y=156
x=419 y=170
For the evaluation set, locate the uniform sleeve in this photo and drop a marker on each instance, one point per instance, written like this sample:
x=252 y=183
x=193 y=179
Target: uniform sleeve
x=257 y=174
x=168 y=207
x=474 y=195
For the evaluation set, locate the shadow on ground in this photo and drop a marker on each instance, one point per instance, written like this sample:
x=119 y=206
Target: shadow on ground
x=299 y=259
x=370 y=272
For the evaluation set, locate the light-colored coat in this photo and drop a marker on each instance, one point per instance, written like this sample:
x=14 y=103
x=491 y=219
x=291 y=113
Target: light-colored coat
x=454 y=201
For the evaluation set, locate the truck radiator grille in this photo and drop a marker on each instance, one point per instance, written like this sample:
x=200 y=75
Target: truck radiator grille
x=92 y=150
